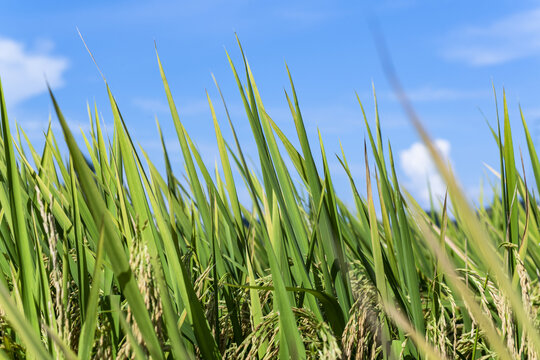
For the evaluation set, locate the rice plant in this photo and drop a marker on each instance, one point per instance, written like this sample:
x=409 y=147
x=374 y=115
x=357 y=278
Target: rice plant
x=114 y=259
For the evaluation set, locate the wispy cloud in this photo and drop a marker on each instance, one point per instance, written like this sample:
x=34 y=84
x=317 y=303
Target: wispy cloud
x=186 y=107
x=340 y=118
x=531 y=113
x=149 y=105
x=393 y=5
x=421 y=172
x=24 y=71
x=305 y=16
x=430 y=93
x=510 y=38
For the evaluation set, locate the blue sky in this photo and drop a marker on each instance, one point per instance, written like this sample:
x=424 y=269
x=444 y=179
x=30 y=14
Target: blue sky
x=446 y=55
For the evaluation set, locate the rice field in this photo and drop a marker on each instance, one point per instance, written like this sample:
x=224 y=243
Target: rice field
x=124 y=261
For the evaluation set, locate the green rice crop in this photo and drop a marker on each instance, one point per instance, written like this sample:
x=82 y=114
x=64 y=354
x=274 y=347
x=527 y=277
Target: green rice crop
x=128 y=262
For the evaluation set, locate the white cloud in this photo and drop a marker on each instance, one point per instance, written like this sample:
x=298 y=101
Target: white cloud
x=23 y=72
x=513 y=37
x=416 y=163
